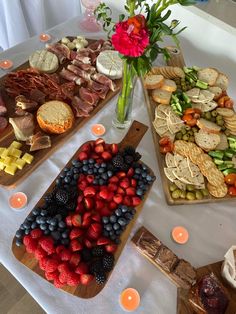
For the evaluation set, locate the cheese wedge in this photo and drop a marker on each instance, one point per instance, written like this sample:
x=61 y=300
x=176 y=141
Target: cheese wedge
x=109 y=63
x=44 y=61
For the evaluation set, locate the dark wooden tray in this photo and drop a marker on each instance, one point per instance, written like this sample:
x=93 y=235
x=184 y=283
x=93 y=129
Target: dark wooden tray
x=133 y=137
x=6 y=137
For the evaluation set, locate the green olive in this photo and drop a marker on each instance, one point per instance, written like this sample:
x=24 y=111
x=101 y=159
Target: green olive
x=183 y=130
x=183 y=194
x=199 y=195
x=188 y=128
x=190 y=196
x=179 y=136
x=214 y=113
x=220 y=122
x=191 y=139
x=185 y=137
x=208 y=115
x=205 y=192
x=176 y=194
x=190 y=133
x=194 y=129
x=213 y=119
x=172 y=187
x=190 y=187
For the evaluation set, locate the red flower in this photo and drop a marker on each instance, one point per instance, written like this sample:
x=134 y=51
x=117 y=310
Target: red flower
x=131 y=37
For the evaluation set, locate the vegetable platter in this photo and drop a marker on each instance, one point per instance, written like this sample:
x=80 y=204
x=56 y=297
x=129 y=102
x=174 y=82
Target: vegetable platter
x=194 y=132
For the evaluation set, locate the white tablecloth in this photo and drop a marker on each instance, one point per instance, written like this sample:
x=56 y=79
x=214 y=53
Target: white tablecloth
x=211 y=226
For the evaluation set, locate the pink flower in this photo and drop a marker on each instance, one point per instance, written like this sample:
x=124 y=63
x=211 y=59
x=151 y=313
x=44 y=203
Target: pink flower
x=131 y=37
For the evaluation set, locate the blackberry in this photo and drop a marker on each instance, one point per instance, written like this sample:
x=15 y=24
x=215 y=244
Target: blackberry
x=62 y=196
x=108 y=262
x=96 y=267
x=129 y=159
x=49 y=198
x=52 y=209
x=71 y=206
x=137 y=156
x=100 y=277
x=73 y=193
x=118 y=161
x=86 y=255
x=125 y=167
x=98 y=251
x=129 y=150
x=62 y=211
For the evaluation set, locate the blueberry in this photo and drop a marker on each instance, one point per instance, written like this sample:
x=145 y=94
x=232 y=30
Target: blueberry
x=122 y=222
x=27 y=224
x=108 y=227
x=137 y=171
x=103 y=165
x=116 y=226
x=105 y=233
x=67 y=179
x=58 y=217
x=53 y=221
x=118 y=212
x=62 y=175
x=105 y=219
x=65 y=234
x=118 y=232
x=38 y=219
x=22 y=227
x=52 y=228
x=113 y=218
x=117 y=241
x=18 y=242
x=136 y=176
x=43 y=226
x=128 y=216
x=74 y=162
x=95 y=170
x=36 y=211
x=91 y=161
x=65 y=241
x=31 y=218
x=101 y=182
x=66 y=169
x=95 y=182
x=58 y=181
x=85 y=168
x=149 y=178
x=97 y=165
x=113 y=237
x=34 y=225
x=78 y=165
x=85 y=162
x=42 y=220
x=101 y=170
x=111 y=233
x=73 y=183
x=76 y=176
x=46 y=232
x=56 y=235
x=62 y=224
x=44 y=212
x=90 y=171
x=19 y=234
x=109 y=173
x=144 y=174
x=139 y=192
x=104 y=176
x=75 y=170
x=124 y=209
x=27 y=231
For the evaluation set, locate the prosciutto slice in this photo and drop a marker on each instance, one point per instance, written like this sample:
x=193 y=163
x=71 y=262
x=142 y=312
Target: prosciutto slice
x=97 y=45
x=80 y=107
x=103 y=79
x=38 y=141
x=83 y=58
x=60 y=50
x=37 y=95
x=84 y=66
x=25 y=103
x=99 y=89
x=70 y=76
x=3 y=108
x=81 y=73
x=89 y=96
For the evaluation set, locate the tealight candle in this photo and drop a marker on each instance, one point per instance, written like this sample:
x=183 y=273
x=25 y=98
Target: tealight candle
x=18 y=200
x=180 y=235
x=98 y=129
x=130 y=299
x=6 y=64
x=44 y=37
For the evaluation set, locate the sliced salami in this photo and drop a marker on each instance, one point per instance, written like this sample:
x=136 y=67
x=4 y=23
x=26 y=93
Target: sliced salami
x=3 y=123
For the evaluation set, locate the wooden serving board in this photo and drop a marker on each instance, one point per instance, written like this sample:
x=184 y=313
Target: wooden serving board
x=183 y=305
x=133 y=137
x=151 y=105
x=7 y=136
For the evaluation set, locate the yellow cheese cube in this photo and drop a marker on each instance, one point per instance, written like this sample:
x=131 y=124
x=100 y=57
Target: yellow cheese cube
x=11 y=169
x=1 y=150
x=16 y=152
x=20 y=163
x=15 y=144
x=7 y=161
x=2 y=165
x=5 y=153
x=28 y=158
x=10 y=150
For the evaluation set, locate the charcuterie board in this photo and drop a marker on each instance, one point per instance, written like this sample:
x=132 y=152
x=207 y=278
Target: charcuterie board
x=57 y=140
x=133 y=137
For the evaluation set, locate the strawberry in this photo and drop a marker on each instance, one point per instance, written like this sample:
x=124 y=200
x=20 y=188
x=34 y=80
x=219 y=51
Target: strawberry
x=127 y=201
x=63 y=268
x=88 y=202
x=39 y=253
x=51 y=276
x=111 y=248
x=97 y=228
x=130 y=191
x=133 y=182
x=88 y=243
x=90 y=178
x=82 y=268
x=73 y=279
x=89 y=191
x=82 y=185
x=85 y=279
x=27 y=239
x=99 y=149
x=104 y=194
x=79 y=209
x=112 y=205
x=93 y=235
x=121 y=174
x=76 y=220
x=114 y=179
x=118 y=198
x=47 y=244
x=80 y=199
x=99 y=204
x=112 y=187
x=51 y=265
x=75 y=245
x=31 y=246
x=94 y=156
x=96 y=217
x=106 y=155
x=82 y=156
x=130 y=172
x=125 y=183
x=86 y=222
x=110 y=196
x=57 y=283
x=36 y=233
x=99 y=141
x=87 y=215
x=114 y=149
x=136 y=200
x=42 y=263
x=69 y=220
x=75 y=259
x=86 y=148
x=105 y=211
x=103 y=241
x=65 y=255
x=120 y=191
x=76 y=233
x=59 y=248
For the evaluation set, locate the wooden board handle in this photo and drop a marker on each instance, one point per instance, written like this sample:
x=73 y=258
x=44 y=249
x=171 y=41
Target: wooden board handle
x=176 y=57
x=134 y=135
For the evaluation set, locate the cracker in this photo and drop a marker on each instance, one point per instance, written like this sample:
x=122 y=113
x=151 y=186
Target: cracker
x=225 y=112
x=215 y=177
x=217 y=191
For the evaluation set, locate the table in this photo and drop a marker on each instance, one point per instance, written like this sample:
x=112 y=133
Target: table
x=211 y=227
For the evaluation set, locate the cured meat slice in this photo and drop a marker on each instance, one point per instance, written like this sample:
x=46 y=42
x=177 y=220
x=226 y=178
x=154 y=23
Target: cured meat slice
x=80 y=107
x=103 y=79
x=25 y=103
x=60 y=50
x=99 y=89
x=23 y=126
x=81 y=73
x=70 y=76
x=3 y=108
x=3 y=123
x=37 y=95
x=88 y=96
x=39 y=141
x=84 y=66
x=97 y=45
x=83 y=58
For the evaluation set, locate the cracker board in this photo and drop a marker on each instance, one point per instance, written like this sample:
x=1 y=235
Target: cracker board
x=151 y=105
x=183 y=305
x=133 y=137
x=7 y=136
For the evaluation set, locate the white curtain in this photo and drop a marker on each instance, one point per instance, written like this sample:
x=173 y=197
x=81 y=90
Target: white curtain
x=21 y=19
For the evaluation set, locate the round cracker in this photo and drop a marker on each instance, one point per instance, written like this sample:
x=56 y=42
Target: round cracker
x=215 y=177
x=217 y=191
x=225 y=112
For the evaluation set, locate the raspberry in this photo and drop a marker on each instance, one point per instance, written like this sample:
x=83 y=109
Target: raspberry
x=63 y=268
x=42 y=263
x=51 y=276
x=47 y=245
x=59 y=249
x=40 y=253
x=57 y=283
x=51 y=265
x=31 y=246
x=36 y=233
x=65 y=255
x=63 y=277
x=73 y=279
x=26 y=239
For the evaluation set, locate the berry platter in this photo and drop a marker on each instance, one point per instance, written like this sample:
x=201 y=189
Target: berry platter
x=75 y=234
x=7 y=135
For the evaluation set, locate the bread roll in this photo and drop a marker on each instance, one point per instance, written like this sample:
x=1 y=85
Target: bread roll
x=153 y=81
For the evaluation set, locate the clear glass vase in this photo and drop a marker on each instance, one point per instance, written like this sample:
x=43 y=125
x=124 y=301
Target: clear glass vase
x=123 y=111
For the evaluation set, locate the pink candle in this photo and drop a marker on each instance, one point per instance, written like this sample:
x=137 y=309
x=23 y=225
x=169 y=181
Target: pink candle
x=44 y=37
x=18 y=200
x=180 y=235
x=6 y=64
x=98 y=129
x=130 y=299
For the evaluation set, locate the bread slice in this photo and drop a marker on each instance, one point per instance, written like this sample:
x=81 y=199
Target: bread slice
x=208 y=126
x=153 y=81
x=209 y=106
x=44 y=61
x=222 y=81
x=208 y=75
x=223 y=142
x=216 y=90
x=206 y=141
x=161 y=96
x=169 y=85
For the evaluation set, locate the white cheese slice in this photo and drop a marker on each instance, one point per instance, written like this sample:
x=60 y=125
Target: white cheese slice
x=109 y=63
x=44 y=61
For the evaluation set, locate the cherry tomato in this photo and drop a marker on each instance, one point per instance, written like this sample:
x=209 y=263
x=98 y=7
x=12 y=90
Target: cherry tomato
x=222 y=100
x=187 y=117
x=164 y=141
x=230 y=179
x=232 y=190
x=166 y=149
x=192 y=122
x=229 y=103
x=189 y=111
x=197 y=110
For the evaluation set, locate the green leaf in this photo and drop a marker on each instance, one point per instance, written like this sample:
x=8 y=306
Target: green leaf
x=165 y=17
x=187 y=2
x=121 y=17
x=175 y=39
x=165 y=28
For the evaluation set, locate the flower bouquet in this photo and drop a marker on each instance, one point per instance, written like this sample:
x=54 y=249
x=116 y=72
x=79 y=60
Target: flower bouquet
x=137 y=38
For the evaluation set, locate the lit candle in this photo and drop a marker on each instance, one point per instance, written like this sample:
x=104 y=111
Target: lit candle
x=130 y=299
x=44 y=37
x=98 y=129
x=18 y=200
x=6 y=64
x=180 y=235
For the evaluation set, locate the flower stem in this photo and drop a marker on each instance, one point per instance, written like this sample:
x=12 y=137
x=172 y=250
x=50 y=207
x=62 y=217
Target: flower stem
x=132 y=8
